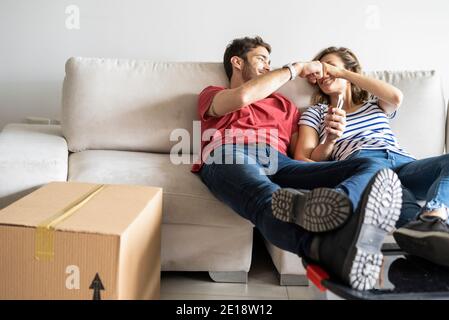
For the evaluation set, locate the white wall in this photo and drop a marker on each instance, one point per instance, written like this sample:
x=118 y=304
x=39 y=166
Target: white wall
x=35 y=43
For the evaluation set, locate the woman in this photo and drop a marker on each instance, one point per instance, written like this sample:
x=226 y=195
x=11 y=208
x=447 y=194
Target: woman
x=361 y=129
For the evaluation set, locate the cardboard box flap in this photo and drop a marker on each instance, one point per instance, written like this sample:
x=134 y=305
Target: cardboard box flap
x=110 y=211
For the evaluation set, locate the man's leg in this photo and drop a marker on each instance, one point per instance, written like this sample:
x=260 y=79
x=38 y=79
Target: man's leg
x=350 y=176
x=243 y=188
x=387 y=159
x=353 y=252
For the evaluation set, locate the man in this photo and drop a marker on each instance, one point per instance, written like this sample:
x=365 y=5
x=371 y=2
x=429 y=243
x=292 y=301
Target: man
x=254 y=176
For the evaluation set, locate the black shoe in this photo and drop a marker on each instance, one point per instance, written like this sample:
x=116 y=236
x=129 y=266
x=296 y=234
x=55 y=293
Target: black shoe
x=353 y=253
x=318 y=210
x=427 y=237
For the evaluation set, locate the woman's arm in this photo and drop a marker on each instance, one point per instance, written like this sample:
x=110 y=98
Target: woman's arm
x=323 y=151
x=390 y=97
x=307 y=141
x=308 y=147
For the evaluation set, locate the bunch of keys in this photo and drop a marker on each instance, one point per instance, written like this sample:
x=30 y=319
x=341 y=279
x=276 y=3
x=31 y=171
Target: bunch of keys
x=340 y=104
x=340 y=101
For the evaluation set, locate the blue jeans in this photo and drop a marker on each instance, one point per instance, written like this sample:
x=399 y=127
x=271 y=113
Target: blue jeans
x=239 y=183
x=425 y=179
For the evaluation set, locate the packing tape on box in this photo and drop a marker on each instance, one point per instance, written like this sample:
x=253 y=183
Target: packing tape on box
x=45 y=231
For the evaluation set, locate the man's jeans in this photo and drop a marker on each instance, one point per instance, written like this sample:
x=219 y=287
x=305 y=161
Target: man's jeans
x=240 y=183
x=426 y=179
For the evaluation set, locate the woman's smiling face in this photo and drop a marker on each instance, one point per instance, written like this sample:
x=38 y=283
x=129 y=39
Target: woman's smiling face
x=330 y=85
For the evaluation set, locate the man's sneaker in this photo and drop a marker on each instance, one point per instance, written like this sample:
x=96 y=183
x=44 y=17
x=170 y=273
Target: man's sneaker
x=353 y=253
x=318 y=210
x=427 y=237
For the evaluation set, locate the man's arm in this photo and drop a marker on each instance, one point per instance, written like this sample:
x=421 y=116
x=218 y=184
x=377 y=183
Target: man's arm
x=230 y=100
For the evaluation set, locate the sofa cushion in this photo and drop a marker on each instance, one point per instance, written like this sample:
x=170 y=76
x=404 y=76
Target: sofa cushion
x=419 y=123
x=135 y=105
x=186 y=199
x=131 y=105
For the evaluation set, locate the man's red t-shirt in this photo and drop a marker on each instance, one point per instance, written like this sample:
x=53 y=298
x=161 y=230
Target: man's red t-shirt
x=273 y=119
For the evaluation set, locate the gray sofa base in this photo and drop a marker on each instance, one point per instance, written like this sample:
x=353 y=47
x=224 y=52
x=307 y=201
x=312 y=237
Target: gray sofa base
x=229 y=277
x=293 y=280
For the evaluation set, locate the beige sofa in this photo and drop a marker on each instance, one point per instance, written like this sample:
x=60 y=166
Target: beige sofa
x=118 y=122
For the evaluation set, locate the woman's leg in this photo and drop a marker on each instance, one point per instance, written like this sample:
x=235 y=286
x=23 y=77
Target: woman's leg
x=410 y=207
x=428 y=179
x=427 y=236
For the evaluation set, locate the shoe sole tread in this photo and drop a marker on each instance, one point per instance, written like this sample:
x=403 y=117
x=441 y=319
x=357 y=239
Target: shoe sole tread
x=324 y=210
x=382 y=210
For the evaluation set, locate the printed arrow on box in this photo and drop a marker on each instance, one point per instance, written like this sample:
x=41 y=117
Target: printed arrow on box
x=97 y=286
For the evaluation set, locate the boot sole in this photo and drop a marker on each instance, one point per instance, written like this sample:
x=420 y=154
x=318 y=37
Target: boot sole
x=432 y=246
x=381 y=209
x=324 y=209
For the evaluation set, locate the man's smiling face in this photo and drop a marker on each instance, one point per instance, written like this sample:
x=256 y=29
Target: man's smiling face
x=257 y=62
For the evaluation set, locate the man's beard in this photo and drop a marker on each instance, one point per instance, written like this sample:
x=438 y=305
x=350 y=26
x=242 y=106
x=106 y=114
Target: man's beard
x=247 y=73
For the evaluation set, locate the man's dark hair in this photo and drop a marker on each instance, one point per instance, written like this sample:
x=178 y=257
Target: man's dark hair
x=240 y=48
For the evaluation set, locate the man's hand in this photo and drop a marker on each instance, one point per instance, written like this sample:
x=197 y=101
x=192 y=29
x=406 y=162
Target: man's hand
x=313 y=71
x=335 y=124
x=329 y=71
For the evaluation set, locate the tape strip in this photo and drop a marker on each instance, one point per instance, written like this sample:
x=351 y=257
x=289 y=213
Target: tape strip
x=45 y=231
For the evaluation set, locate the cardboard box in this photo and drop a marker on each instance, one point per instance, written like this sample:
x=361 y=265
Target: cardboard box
x=72 y=240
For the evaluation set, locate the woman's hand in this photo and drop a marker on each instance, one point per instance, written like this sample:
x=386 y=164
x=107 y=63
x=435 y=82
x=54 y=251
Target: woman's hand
x=335 y=124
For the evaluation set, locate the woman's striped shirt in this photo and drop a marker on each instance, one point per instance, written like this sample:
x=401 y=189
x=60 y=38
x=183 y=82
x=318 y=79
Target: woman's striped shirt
x=368 y=128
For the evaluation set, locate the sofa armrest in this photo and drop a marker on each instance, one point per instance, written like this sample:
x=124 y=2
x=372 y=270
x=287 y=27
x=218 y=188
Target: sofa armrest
x=30 y=156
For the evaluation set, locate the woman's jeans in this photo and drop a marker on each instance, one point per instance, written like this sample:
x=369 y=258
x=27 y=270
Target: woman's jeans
x=245 y=176
x=426 y=179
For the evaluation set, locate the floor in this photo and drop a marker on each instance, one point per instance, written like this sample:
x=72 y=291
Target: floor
x=263 y=283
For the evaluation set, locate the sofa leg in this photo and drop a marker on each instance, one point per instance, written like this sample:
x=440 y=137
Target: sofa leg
x=231 y=276
x=293 y=280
